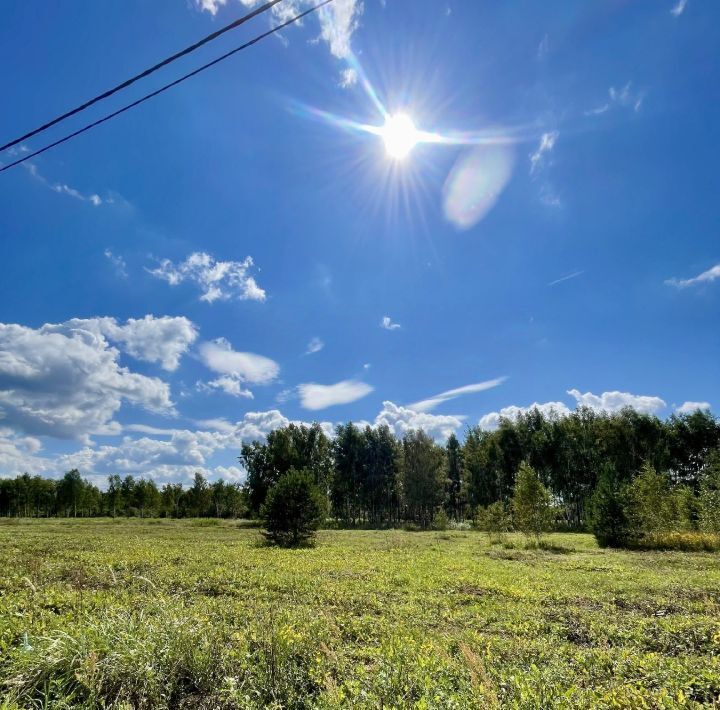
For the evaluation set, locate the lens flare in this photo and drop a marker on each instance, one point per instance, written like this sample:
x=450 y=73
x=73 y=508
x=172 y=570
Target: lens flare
x=475 y=184
x=399 y=135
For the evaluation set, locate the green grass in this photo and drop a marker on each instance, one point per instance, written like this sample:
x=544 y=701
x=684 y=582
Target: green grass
x=172 y=614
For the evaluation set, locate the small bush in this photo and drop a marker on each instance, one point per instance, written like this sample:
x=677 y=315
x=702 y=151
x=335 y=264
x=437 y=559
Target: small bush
x=440 y=520
x=294 y=509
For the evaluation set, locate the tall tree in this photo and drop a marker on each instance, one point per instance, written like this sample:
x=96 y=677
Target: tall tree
x=423 y=477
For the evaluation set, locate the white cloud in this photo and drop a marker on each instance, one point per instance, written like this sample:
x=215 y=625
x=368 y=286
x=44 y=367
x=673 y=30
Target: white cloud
x=18 y=454
x=492 y=419
x=314 y=346
x=625 y=96
x=679 y=8
x=615 y=401
x=573 y=275
x=546 y=145
x=427 y=405
x=706 y=277
x=219 y=356
x=338 y=21
x=66 y=382
x=118 y=262
x=236 y=368
x=690 y=407
x=227 y=384
x=167 y=454
x=348 y=78
x=403 y=419
x=388 y=324
x=162 y=340
x=314 y=396
x=218 y=280
x=61 y=188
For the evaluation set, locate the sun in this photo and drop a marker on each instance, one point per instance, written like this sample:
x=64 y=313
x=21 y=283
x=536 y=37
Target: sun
x=400 y=135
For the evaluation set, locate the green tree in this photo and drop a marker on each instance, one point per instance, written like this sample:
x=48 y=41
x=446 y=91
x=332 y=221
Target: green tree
x=532 y=514
x=423 y=477
x=608 y=521
x=649 y=507
x=709 y=502
x=294 y=509
x=70 y=492
x=293 y=446
x=456 y=493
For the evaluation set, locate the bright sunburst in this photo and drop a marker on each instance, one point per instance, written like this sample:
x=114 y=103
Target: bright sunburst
x=400 y=135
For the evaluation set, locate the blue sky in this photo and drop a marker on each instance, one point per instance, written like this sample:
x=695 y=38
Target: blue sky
x=242 y=251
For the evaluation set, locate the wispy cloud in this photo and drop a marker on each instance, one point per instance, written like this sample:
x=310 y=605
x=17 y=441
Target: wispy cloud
x=314 y=396
x=546 y=145
x=679 y=8
x=118 y=262
x=706 y=277
x=427 y=405
x=314 y=346
x=623 y=96
x=63 y=189
x=388 y=324
x=338 y=21
x=574 y=275
x=218 y=280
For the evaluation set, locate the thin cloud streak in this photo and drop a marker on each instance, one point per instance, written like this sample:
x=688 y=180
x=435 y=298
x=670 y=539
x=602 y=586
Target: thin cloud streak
x=574 y=275
x=429 y=404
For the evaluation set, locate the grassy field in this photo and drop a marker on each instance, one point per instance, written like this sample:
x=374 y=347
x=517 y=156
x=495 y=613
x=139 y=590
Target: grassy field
x=188 y=614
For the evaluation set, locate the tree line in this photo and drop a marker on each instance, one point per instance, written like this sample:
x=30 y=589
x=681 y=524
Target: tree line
x=370 y=477
x=72 y=496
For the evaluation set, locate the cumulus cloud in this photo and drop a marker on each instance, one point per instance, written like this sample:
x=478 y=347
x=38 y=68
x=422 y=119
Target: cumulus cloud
x=705 y=277
x=19 y=454
x=66 y=382
x=690 y=407
x=492 y=419
x=314 y=396
x=427 y=405
x=164 y=454
x=387 y=324
x=338 y=21
x=314 y=346
x=218 y=280
x=615 y=401
x=403 y=419
x=546 y=145
x=161 y=340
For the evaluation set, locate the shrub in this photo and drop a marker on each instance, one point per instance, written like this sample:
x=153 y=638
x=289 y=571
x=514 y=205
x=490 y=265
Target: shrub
x=440 y=520
x=294 y=509
x=493 y=519
x=709 y=502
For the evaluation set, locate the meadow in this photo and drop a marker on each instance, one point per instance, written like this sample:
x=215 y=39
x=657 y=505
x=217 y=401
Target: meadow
x=200 y=614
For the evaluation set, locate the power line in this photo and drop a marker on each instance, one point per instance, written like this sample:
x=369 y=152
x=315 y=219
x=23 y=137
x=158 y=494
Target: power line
x=162 y=89
x=142 y=75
